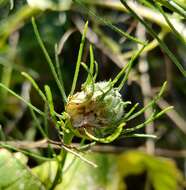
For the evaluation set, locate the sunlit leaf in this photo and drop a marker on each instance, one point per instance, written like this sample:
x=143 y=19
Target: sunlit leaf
x=14 y=175
x=112 y=171
x=162 y=173
x=82 y=176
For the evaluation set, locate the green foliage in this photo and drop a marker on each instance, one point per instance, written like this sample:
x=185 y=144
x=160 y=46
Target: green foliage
x=161 y=173
x=110 y=174
x=70 y=168
x=14 y=174
x=153 y=34
x=112 y=171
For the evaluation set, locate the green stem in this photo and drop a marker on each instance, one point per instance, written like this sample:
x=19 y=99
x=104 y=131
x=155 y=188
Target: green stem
x=108 y=139
x=108 y=23
x=35 y=85
x=29 y=153
x=22 y=99
x=67 y=139
x=173 y=6
x=133 y=58
x=80 y=53
x=152 y=118
x=51 y=65
x=149 y=104
x=145 y=12
x=177 y=34
x=153 y=34
x=140 y=136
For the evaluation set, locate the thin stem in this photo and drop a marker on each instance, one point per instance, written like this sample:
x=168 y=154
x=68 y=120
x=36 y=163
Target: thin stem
x=91 y=77
x=131 y=111
x=50 y=100
x=51 y=65
x=96 y=70
x=108 y=139
x=134 y=57
x=80 y=53
x=120 y=73
x=43 y=133
x=147 y=13
x=180 y=4
x=22 y=99
x=153 y=34
x=140 y=136
x=58 y=64
x=37 y=123
x=173 y=6
x=108 y=23
x=149 y=104
x=152 y=118
x=80 y=157
x=91 y=70
x=28 y=77
x=177 y=34
x=28 y=153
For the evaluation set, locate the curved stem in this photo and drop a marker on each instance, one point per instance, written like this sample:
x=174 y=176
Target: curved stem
x=80 y=53
x=108 y=139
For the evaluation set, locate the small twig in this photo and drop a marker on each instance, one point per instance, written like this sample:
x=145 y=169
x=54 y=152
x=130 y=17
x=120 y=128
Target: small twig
x=79 y=156
x=44 y=144
x=97 y=148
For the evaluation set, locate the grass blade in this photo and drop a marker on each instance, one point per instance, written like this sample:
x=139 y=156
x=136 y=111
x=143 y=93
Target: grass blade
x=50 y=100
x=22 y=99
x=80 y=53
x=28 y=77
x=151 y=118
x=51 y=65
x=134 y=57
x=149 y=104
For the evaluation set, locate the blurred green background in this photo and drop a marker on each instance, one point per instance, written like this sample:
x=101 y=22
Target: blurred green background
x=61 y=22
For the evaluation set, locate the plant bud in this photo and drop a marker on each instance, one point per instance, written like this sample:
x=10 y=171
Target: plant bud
x=97 y=106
